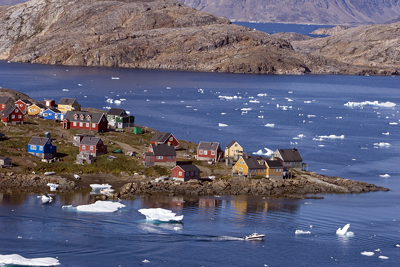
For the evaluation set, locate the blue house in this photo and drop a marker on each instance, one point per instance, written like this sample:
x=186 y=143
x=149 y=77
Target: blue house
x=42 y=147
x=53 y=114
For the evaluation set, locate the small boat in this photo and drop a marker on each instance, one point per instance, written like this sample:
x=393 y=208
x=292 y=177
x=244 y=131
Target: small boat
x=254 y=236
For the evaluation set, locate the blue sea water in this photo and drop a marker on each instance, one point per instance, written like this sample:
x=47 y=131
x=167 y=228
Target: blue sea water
x=194 y=105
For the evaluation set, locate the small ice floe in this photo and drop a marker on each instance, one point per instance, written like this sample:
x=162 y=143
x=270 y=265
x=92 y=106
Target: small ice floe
x=367 y=253
x=398 y=245
x=332 y=136
x=53 y=187
x=245 y=109
x=118 y=102
x=343 y=231
x=371 y=103
x=383 y=257
x=98 y=206
x=201 y=91
x=382 y=144
x=288 y=99
x=393 y=123
x=145 y=261
x=270 y=125
x=160 y=214
x=384 y=175
x=301 y=232
x=222 y=125
x=15 y=260
x=46 y=199
x=387 y=133
x=307 y=102
x=189 y=106
x=79 y=84
x=65 y=90
x=168 y=88
x=261 y=117
x=223 y=113
x=110 y=100
x=262 y=94
x=99 y=187
x=254 y=101
x=114 y=78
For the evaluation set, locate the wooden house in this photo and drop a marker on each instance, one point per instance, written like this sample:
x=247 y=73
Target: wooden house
x=85 y=120
x=53 y=114
x=92 y=145
x=4 y=101
x=36 y=109
x=210 y=151
x=165 y=138
x=42 y=147
x=68 y=104
x=233 y=150
x=50 y=103
x=163 y=155
x=185 y=172
x=258 y=166
x=119 y=118
x=23 y=104
x=11 y=114
x=78 y=138
x=290 y=158
x=5 y=162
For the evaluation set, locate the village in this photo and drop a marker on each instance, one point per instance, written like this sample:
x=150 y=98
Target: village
x=163 y=151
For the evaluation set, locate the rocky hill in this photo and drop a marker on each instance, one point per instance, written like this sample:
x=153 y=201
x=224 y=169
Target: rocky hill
x=304 y=11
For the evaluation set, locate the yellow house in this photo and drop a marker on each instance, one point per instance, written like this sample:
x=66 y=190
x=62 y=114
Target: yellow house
x=68 y=104
x=36 y=109
x=258 y=166
x=233 y=150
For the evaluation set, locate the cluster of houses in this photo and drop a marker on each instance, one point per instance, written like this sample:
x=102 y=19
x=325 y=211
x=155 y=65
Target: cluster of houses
x=162 y=148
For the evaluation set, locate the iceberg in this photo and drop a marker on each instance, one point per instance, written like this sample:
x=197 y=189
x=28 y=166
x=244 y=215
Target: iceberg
x=271 y=125
x=98 y=206
x=262 y=153
x=222 y=124
x=332 y=136
x=118 y=102
x=15 y=260
x=367 y=253
x=383 y=257
x=114 y=78
x=382 y=144
x=385 y=175
x=371 y=103
x=343 y=231
x=46 y=199
x=387 y=133
x=301 y=232
x=159 y=214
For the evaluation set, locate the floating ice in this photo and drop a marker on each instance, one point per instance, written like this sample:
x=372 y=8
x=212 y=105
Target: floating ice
x=311 y=116
x=246 y=109
x=393 y=123
x=271 y=125
x=160 y=214
x=301 y=232
x=15 y=259
x=118 y=102
x=98 y=187
x=343 y=231
x=65 y=90
x=229 y=97
x=265 y=94
x=381 y=144
x=332 y=136
x=260 y=152
x=387 y=133
x=98 y=206
x=79 y=84
x=110 y=100
x=53 y=187
x=383 y=257
x=145 y=261
x=370 y=103
x=168 y=88
x=222 y=124
x=200 y=91
x=261 y=117
x=385 y=175
x=46 y=199
x=367 y=253
x=288 y=99
x=114 y=78
x=307 y=102
x=223 y=113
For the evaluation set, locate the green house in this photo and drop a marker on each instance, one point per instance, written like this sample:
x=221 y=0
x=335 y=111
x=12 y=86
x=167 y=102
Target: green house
x=137 y=130
x=119 y=118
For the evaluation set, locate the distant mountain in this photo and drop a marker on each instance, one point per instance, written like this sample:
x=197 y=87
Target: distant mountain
x=302 y=11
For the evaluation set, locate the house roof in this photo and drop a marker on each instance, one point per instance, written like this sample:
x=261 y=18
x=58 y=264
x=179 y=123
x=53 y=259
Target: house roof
x=231 y=144
x=96 y=117
x=90 y=140
x=5 y=99
x=253 y=162
x=163 y=150
x=117 y=112
x=290 y=155
x=3 y=158
x=189 y=167
x=39 y=141
x=25 y=101
x=55 y=110
x=160 y=137
x=274 y=164
x=208 y=145
x=67 y=101
x=8 y=110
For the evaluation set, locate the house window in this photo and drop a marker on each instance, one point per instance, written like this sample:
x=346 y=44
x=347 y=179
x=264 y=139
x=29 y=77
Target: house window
x=171 y=138
x=170 y=157
x=236 y=145
x=41 y=148
x=74 y=123
x=200 y=152
x=12 y=116
x=240 y=169
x=278 y=170
x=213 y=153
x=80 y=124
x=44 y=114
x=92 y=148
x=87 y=125
x=33 y=147
x=93 y=125
x=205 y=152
x=30 y=110
x=83 y=147
x=19 y=116
x=16 y=110
x=160 y=157
x=180 y=173
x=67 y=107
x=191 y=173
x=56 y=116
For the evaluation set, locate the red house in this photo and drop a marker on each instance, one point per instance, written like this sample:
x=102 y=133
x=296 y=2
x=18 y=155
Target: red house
x=185 y=172
x=92 y=145
x=23 y=104
x=165 y=138
x=210 y=151
x=4 y=101
x=50 y=103
x=163 y=155
x=85 y=120
x=12 y=115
